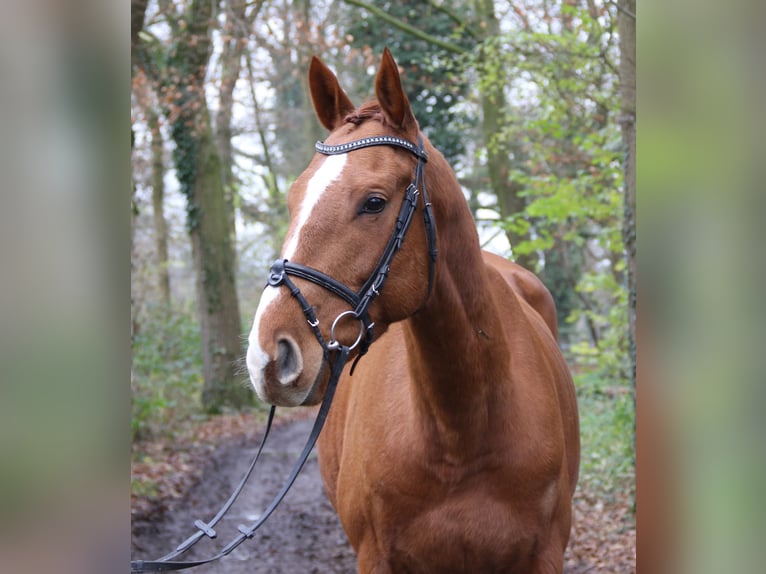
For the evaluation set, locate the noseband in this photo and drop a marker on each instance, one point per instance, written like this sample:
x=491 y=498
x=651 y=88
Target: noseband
x=360 y=301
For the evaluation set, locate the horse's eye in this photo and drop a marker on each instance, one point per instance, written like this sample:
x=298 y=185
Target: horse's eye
x=374 y=204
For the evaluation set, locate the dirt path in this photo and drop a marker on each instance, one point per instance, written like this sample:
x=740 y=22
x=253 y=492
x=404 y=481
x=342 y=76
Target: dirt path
x=304 y=534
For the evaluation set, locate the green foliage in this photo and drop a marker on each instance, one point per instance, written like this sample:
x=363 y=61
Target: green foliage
x=607 y=431
x=574 y=217
x=185 y=155
x=609 y=352
x=561 y=131
x=167 y=373
x=433 y=77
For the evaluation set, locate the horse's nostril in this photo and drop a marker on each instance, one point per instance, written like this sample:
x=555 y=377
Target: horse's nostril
x=289 y=360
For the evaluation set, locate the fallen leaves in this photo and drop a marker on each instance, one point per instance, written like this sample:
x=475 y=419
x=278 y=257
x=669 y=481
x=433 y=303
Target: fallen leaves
x=603 y=535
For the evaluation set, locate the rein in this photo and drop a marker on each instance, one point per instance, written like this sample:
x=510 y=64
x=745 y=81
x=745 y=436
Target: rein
x=360 y=301
x=167 y=563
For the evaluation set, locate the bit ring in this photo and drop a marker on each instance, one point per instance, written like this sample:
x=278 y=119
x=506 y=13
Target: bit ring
x=334 y=344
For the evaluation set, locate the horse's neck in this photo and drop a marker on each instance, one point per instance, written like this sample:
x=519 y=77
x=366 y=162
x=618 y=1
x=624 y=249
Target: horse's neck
x=456 y=345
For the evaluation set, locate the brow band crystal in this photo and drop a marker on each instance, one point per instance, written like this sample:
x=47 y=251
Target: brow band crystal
x=325 y=149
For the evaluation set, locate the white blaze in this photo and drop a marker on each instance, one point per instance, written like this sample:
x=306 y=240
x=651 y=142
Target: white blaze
x=327 y=173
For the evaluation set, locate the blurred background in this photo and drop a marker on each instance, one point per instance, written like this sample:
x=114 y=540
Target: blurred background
x=104 y=338
x=524 y=99
x=533 y=104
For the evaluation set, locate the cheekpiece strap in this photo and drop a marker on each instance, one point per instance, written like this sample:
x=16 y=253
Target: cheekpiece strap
x=325 y=149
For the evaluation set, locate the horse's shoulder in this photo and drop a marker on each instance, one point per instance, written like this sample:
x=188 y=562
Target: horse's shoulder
x=528 y=286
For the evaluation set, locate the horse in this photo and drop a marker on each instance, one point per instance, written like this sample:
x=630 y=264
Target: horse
x=454 y=447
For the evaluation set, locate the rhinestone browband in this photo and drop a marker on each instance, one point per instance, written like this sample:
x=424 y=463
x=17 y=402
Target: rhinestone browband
x=323 y=148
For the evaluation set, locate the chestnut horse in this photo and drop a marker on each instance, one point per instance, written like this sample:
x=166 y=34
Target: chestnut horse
x=455 y=445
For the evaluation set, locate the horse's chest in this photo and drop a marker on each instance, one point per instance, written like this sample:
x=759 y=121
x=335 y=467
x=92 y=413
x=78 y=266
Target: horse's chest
x=424 y=525
x=468 y=531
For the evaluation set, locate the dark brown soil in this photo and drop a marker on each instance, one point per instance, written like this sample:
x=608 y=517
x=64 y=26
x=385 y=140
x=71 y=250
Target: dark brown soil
x=302 y=536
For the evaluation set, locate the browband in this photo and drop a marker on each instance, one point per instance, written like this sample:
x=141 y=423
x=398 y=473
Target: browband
x=323 y=148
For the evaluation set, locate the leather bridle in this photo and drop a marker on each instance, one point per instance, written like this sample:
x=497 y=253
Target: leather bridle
x=360 y=301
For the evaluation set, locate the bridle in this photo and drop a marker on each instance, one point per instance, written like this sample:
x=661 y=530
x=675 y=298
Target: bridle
x=360 y=301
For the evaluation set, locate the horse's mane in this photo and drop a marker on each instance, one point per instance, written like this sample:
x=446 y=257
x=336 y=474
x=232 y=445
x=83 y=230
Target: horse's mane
x=368 y=110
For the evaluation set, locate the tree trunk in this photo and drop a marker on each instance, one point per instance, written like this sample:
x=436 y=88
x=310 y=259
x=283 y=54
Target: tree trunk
x=178 y=73
x=626 y=22
x=223 y=134
x=213 y=256
x=231 y=65
x=274 y=213
x=158 y=196
x=200 y=173
x=137 y=17
x=493 y=107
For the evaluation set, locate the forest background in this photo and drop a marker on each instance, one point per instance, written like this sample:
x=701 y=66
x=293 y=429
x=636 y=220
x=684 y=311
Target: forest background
x=532 y=102
x=65 y=228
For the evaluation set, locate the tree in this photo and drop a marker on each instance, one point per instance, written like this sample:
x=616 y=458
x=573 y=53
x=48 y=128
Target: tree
x=626 y=18
x=233 y=32
x=158 y=197
x=573 y=175
x=472 y=36
x=290 y=45
x=546 y=90
x=504 y=156
x=177 y=68
x=432 y=75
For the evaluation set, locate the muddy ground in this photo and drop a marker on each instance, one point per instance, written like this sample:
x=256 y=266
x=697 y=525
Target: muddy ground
x=304 y=534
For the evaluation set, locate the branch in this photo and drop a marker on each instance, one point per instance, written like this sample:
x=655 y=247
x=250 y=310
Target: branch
x=246 y=154
x=137 y=18
x=492 y=238
x=455 y=18
x=522 y=16
x=622 y=9
x=271 y=177
x=406 y=27
x=171 y=16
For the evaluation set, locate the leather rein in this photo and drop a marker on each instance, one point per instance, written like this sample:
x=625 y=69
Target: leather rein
x=334 y=352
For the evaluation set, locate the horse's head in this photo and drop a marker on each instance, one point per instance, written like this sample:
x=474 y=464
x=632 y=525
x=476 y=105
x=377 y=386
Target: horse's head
x=343 y=210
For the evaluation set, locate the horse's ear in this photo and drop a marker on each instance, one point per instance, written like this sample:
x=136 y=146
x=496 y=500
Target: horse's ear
x=391 y=97
x=330 y=101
